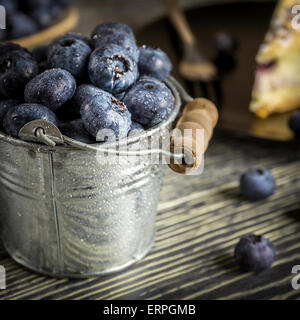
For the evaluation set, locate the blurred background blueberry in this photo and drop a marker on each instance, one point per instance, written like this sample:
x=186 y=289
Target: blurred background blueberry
x=257 y=184
x=26 y=17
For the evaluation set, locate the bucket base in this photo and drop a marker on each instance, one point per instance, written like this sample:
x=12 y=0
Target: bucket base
x=27 y=264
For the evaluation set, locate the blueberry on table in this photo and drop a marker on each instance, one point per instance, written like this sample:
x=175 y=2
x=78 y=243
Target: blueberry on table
x=257 y=184
x=21 y=25
x=71 y=55
x=52 y=88
x=100 y=110
x=17 y=117
x=294 y=123
x=5 y=105
x=254 y=253
x=76 y=130
x=111 y=69
x=17 y=68
x=154 y=62
x=106 y=36
x=150 y=101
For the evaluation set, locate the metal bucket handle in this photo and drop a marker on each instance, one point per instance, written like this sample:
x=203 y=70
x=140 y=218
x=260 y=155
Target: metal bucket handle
x=198 y=113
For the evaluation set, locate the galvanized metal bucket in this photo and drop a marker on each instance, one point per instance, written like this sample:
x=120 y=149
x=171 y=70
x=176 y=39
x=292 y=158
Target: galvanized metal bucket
x=64 y=215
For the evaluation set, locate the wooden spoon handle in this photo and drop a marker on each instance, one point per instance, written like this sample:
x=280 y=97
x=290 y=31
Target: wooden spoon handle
x=179 y=21
x=195 y=131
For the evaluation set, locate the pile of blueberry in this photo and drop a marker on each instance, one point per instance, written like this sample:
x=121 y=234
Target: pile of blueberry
x=26 y=17
x=84 y=85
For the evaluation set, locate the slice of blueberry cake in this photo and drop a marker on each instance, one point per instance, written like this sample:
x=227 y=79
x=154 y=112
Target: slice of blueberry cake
x=277 y=78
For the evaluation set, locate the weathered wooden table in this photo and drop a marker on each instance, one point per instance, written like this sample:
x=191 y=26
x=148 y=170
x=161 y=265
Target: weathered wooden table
x=200 y=219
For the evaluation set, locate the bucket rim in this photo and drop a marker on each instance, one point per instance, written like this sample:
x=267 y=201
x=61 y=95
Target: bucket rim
x=129 y=141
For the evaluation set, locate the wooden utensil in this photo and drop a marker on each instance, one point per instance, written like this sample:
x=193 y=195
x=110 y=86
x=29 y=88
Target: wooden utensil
x=193 y=66
x=199 y=114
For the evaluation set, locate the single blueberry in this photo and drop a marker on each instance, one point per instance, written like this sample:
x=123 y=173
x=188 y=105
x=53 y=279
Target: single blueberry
x=71 y=55
x=11 y=6
x=113 y=36
x=5 y=105
x=154 y=62
x=76 y=130
x=116 y=26
x=44 y=16
x=15 y=118
x=52 y=88
x=40 y=53
x=254 y=253
x=294 y=123
x=17 y=68
x=149 y=101
x=111 y=69
x=100 y=110
x=21 y=25
x=225 y=43
x=70 y=36
x=257 y=184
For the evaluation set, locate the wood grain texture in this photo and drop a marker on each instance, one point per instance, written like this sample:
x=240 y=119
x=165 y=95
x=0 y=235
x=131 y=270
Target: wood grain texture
x=200 y=219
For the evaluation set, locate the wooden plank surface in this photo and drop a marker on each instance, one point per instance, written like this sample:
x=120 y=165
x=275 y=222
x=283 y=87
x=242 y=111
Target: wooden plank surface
x=199 y=221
